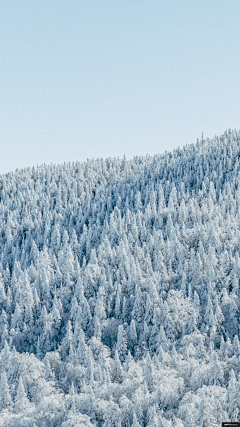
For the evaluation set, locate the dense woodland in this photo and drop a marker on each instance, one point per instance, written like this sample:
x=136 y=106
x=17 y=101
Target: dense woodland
x=119 y=290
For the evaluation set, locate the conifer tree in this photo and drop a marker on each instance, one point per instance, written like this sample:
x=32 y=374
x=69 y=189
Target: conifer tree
x=132 y=336
x=5 y=397
x=112 y=416
x=135 y=422
x=148 y=371
x=117 y=371
x=121 y=345
x=21 y=400
x=81 y=351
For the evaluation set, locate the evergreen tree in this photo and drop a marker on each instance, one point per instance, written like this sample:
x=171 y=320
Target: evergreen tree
x=121 y=345
x=81 y=351
x=112 y=416
x=5 y=397
x=135 y=422
x=148 y=371
x=21 y=400
x=132 y=336
x=117 y=371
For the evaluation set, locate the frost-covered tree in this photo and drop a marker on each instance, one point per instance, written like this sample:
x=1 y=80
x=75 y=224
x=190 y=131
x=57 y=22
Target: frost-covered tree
x=112 y=416
x=120 y=279
x=5 y=397
x=117 y=371
x=21 y=401
x=121 y=345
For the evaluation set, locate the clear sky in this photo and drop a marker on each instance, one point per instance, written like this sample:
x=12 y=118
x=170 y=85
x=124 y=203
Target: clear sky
x=100 y=78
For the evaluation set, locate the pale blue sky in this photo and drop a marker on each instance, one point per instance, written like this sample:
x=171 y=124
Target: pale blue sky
x=84 y=78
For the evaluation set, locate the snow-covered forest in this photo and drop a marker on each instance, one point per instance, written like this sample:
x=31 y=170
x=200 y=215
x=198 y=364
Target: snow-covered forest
x=119 y=290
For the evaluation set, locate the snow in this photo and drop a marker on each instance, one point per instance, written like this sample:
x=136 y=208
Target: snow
x=119 y=290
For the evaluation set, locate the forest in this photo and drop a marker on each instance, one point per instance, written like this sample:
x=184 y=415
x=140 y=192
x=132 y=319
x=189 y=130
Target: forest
x=119 y=290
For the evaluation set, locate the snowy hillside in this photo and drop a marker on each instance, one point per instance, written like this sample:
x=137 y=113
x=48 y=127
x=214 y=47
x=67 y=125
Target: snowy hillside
x=119 y=290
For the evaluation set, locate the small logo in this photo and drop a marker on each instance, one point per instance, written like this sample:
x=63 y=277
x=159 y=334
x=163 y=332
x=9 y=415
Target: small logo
x=228 y=424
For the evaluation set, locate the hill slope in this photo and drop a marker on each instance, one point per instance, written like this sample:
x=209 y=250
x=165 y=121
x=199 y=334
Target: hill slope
x=119 y=290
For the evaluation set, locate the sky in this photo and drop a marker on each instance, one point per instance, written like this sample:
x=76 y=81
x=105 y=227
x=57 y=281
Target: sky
x=102 y=78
